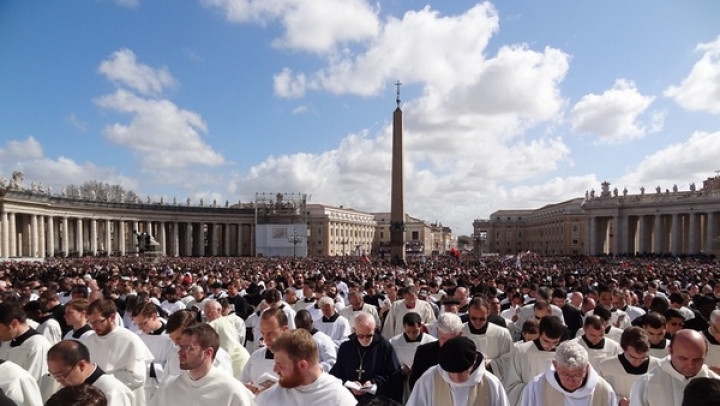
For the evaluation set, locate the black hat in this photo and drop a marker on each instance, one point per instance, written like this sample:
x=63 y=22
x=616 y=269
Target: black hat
x=458 y=354
x=704 y=300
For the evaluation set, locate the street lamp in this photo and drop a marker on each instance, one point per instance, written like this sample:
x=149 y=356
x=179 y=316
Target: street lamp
x=295 y=238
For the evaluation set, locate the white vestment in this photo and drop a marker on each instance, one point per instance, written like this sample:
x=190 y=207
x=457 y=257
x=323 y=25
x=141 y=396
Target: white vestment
x=216 y=388
x=713 y=356
x=257 y=365
x=124 y=355
x=51 y=330
x=31 y=354
x=610 y=349
x=338 y=330
x=71 y=335
x=526 y=362
x=116 y=393
x=161 y=347
x=350 y=314
x=405 y=351
x=661 y=353
x=229 y=342
x=495 y=343
x=615 y=374
x=393 y=321
x=423 y=393
x=327 y=390
x=327 y=350
x=534 y=394
x=663 y=386
x=170 y=308
x=19 y=385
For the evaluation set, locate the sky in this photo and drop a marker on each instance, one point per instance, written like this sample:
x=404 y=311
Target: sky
x=507 y=104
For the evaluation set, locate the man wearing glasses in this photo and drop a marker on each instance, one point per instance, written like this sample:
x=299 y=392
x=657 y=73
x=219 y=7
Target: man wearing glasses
x=117 y=350
x=569 y=380
x=69 y=364
x=623 y=370
x=201 y=383
x=368 y=361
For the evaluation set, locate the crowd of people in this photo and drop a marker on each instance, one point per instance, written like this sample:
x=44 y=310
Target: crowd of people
x=516 y=331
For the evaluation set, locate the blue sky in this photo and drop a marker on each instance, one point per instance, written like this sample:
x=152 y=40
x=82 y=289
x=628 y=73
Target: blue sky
x=512 y=104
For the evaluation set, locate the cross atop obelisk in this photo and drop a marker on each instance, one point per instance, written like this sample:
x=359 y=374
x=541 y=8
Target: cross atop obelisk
x=397 y=197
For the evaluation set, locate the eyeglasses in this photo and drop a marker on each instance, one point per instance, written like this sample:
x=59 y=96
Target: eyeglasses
x=566 y=375
x=97 y=322
x=364 y=336
x=60 y=377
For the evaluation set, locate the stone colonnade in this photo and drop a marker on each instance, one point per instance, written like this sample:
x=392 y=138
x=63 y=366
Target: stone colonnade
x=29 y=234
x=678 y=232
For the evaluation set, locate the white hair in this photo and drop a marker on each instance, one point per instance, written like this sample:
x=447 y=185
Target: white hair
x=326 y=300
x=715 y=316
x=572 y=355
x=449 y=323
x=364 y=319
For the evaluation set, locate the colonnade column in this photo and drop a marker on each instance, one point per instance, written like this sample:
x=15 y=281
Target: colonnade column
x=93 y=238
x=136 y=229
x=199 y=239
x=50 y=236
x=239 y=239
x=592 y=235
x=162 y=238
x=34 y=246
x=4 y=233
x=692 y=231
x=175 y=242
x=42 y=241
x=641 y=234
x=675 y=234
x=65 y=242
x=79 y=245
x=710 y=231
x=226 y=239
x=188 y=239
x=121 y=237
x=108 y=237
x=12 y=235
x=658 y=234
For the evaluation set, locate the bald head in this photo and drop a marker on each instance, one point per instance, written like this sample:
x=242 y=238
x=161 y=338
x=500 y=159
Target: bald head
x=688 y=349
x=213 y=310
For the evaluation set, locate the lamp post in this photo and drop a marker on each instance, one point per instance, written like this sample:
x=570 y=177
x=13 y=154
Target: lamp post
x=295 y=238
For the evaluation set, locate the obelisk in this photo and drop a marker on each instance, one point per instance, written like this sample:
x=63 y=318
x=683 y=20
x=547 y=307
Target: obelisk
x=397 y=197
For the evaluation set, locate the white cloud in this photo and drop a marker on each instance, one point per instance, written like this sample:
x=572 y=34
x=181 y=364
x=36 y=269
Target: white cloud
x=700 y=90
x=18 y=151
x=300 y=110
x=615 y=115
x=162 y=134
x=27 y=155
x=76 y=122
x=123 y=69
x=316 y=26
x=289 y=86
x=690 y=161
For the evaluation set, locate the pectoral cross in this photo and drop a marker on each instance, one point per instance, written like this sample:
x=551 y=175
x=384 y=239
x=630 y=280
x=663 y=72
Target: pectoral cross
x=360 y=372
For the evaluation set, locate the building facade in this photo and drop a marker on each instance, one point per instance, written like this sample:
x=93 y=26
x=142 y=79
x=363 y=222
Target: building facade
x=664 y=222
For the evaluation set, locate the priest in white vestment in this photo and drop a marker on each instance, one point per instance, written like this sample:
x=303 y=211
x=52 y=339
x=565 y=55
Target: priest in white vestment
x=664 y=385
x=398 y=309
x=117 y=350
x=225 y=328
x=69 y=364
x=153 y=334
x=569 y=381
x=21 y=343
x=302 y=382
x=490 y=339
x=655 y=326
x=623 y=370
x=532 y=358
x=331 y=322
x=19 y=385
x=593 y=339
x=406 y=344
x=201 y=383
x=460 y=379
x=356 y=304
x=712 y=336
x=262 y=361
x=327 y=349
x=76 y=318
